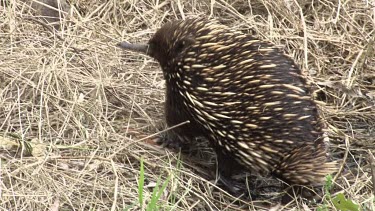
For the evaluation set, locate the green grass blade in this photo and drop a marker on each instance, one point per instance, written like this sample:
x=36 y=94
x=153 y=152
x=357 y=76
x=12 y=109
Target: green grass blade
x=152 y=205
x=141 y=182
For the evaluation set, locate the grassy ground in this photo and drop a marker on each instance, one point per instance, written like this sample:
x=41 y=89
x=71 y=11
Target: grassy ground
x=78 y=115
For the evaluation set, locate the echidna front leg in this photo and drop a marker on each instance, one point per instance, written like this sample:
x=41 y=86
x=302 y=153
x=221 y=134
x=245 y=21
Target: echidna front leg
x=227 y=167
x=182 y=136
x=176 y=139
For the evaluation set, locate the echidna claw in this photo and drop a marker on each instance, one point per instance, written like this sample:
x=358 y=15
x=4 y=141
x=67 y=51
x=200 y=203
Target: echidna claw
x=171 y=141
x=235 y=188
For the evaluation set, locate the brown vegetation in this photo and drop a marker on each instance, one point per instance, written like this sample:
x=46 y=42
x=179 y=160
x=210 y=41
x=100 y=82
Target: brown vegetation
x=78 y=114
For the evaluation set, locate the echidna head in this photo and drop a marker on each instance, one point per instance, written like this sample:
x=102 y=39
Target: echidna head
x=168 y=42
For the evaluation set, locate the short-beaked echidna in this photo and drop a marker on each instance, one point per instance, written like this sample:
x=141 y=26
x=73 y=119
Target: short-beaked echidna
x=244 y=95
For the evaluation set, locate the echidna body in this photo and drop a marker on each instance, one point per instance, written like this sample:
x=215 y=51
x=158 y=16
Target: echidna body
x=244 y=95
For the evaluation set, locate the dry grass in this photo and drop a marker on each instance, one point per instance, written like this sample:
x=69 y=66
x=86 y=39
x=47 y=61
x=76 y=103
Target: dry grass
x=76 y=113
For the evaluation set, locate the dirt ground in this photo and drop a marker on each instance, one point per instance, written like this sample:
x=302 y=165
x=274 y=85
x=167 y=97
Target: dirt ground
x=78 y=115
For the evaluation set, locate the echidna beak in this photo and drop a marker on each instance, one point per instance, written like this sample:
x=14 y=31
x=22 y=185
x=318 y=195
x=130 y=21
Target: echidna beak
x=143 y=48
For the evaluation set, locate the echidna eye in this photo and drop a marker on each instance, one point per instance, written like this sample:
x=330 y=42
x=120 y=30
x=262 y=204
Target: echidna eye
x=180 y=46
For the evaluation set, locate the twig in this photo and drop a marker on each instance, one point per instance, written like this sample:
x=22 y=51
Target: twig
x=147 y=137
x=305 y=50
x=347 y=146
x=115 y=191
x=372 y=166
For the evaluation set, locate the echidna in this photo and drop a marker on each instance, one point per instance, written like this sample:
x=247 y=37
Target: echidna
x=244 y=95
